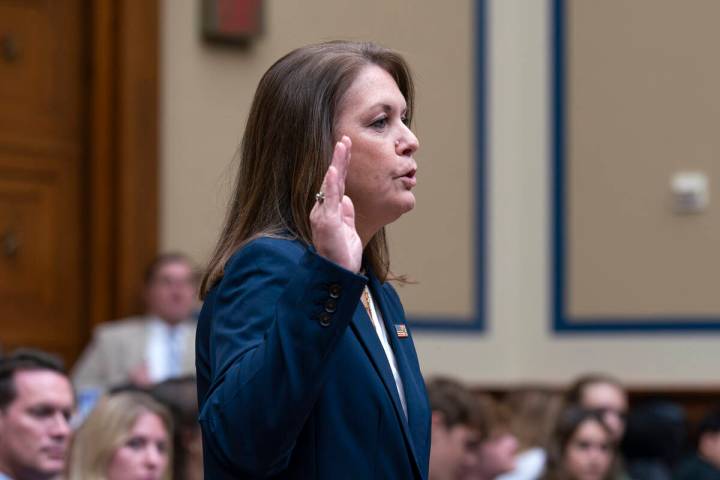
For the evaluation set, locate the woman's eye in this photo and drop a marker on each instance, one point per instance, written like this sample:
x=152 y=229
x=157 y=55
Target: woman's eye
x=136 y=443
x=379 y=123
x=405 y=120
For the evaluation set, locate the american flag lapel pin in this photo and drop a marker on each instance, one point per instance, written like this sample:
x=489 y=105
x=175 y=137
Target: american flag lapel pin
x=401 y=331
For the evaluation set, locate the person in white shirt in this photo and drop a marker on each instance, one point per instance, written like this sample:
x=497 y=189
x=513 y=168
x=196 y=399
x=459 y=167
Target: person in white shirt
x=146 y=349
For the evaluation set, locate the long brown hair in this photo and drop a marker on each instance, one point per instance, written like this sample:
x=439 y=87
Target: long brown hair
x=288 y=144
x=568 y=423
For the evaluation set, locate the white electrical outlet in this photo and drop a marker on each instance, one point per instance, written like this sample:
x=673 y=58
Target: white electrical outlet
x=690 y=191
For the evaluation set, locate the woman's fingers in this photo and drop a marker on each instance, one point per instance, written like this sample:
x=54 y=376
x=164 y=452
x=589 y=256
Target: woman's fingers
x=333 y=216
x=348 y=212
x=330 y=190
x=333 y=185
x=341 y=161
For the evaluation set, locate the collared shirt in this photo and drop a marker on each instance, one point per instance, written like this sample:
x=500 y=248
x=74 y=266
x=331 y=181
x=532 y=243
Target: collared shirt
x=381 y=331
x=165 y=349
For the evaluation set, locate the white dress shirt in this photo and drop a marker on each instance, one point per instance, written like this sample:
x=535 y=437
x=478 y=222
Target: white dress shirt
x=164 y=350
x=382 y=334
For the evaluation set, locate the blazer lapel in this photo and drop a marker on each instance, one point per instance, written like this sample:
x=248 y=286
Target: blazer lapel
x=364 y=330
x=413 y=383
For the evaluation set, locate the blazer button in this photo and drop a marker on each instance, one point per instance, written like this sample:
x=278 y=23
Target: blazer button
x=325 y=319
x=335 y=290
x=330 y=306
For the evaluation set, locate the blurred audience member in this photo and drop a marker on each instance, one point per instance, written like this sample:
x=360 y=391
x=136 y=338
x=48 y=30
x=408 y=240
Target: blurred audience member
x=153 y=347
x=496 y=451
x=654 y=439
x=705 y=464
x=534 y=412
x=581 y=448
x=36 y=402
x=126 y=437
x=457 y=428
x=605 y=394
x=179 y=395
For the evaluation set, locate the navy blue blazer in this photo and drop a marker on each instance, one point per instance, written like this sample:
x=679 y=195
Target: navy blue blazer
x=292 y=379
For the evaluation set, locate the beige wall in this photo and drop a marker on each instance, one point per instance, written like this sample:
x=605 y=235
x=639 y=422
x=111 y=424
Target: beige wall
x=642 y=106
x=206 y=93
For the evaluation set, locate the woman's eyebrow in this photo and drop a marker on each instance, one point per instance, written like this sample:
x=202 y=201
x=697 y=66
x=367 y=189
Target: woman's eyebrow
x=387 y=107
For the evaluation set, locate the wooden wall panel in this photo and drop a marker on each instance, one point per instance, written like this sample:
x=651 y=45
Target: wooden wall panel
x=78 y=166
x=41 y=175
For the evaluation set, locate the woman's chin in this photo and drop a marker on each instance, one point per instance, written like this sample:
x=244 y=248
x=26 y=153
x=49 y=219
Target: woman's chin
x=409 y=201
x=404 y=204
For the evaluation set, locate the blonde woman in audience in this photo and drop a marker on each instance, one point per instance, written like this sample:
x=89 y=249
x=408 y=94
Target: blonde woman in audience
x=582 y=447
x=127 y=437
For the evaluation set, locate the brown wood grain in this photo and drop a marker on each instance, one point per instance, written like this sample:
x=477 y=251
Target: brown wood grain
x=78 y=167
x=137 y=147
x=42 y=153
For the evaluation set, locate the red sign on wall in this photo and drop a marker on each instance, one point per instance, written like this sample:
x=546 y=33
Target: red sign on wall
x=233 y=21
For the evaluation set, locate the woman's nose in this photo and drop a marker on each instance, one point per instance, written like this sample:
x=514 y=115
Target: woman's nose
x=408 y=144
x=153 y=458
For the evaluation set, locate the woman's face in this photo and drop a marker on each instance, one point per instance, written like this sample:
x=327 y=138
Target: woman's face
x=144 y=455
x=589 y=455
x=611 y=401
x=382 y=170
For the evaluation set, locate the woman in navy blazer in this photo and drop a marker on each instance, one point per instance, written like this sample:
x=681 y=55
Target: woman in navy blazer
x=306 y=367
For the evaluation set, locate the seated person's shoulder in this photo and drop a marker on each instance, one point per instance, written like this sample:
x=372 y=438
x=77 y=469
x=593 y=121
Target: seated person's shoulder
x=120 y=328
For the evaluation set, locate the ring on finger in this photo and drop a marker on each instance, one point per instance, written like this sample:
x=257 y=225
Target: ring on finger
x=320 y=197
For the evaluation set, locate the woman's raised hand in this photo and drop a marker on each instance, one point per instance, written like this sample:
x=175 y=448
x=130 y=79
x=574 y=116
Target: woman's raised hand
x=332 y=219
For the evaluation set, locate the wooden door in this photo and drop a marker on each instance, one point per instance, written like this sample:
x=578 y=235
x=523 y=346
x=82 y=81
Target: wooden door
x=42 y=153
x=78 y=166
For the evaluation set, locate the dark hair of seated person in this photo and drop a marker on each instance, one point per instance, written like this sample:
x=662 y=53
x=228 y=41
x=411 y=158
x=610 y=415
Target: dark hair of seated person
x=568 y=423
x=654 y=439
x=456 y=403
x=179 y=395
x=24 y=359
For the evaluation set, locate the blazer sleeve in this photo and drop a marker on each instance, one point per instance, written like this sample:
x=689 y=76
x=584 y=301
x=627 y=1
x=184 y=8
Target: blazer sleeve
x=275 y=320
